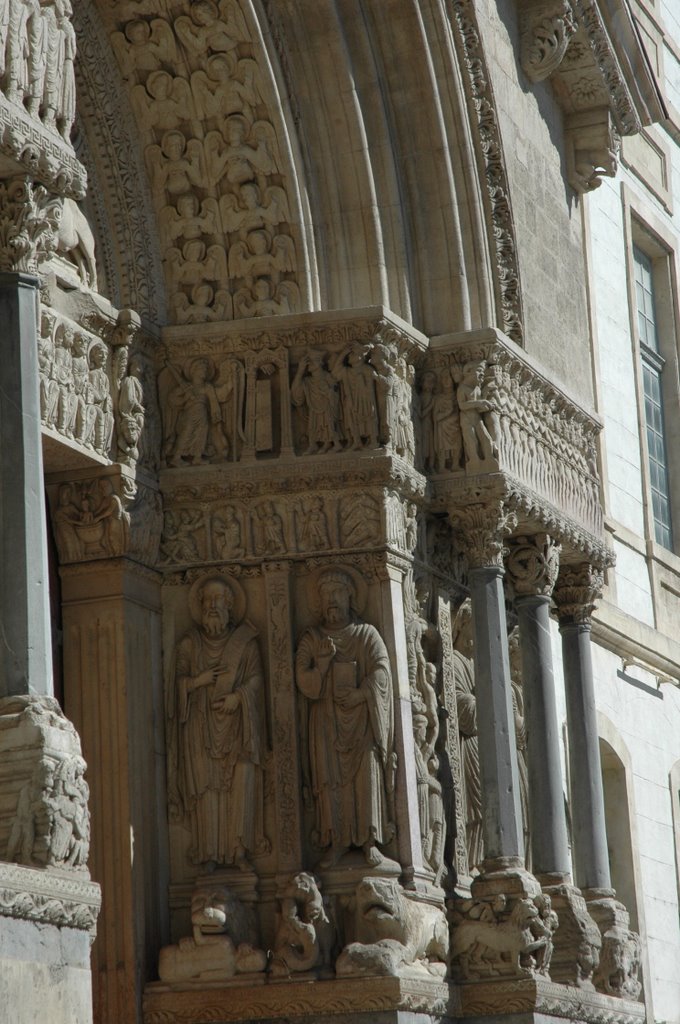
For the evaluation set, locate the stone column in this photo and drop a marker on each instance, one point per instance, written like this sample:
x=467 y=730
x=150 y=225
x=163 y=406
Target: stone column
x=532 y=570
x=532 y=565
x=113 y=687
x=576 y=593
x=47 y=915
x=483 y=529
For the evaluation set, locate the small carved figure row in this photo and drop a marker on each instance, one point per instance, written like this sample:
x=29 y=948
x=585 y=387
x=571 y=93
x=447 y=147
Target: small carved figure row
x=37 y=54
x=230 y=532
x=82 y=398
x=358 y=398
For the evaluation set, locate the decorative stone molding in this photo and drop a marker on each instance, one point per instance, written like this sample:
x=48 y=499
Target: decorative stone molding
x=546 y=32
x=33 y=895
x=578 y=589
x=484 y=529
x=29 y=149
x=532 y=564
x=490 y=150
x=29 y=222
x=543 y=996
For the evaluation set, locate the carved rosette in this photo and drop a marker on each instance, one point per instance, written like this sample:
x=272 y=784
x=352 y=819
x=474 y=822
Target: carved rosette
x=483 y=529
x=533 y=564
x=578 y=589
x=29 y=220
x=547 y=32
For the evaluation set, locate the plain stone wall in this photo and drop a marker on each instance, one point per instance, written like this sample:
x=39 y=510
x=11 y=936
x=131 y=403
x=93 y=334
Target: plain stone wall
x=643 y=729
x=44 y=973
x=546 y=214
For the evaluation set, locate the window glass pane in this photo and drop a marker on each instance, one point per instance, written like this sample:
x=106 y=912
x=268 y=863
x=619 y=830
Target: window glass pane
x=656 y=448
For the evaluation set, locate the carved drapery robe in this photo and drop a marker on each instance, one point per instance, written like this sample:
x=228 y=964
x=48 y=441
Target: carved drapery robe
x=215 y=757
x=351 y=749
x=466 y=703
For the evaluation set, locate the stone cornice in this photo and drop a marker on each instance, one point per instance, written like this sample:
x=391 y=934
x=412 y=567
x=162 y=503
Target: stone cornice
x=26 y=147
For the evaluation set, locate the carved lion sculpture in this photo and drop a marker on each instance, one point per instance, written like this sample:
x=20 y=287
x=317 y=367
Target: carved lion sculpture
x=617 y=974
x=213 y=952
x=488 y=941
x=395 y=934
x=305 y=935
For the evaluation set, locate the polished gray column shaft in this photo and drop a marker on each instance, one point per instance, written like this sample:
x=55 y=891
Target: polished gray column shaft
x=591 y=859
x=502 y=824
x=549 y=842
x=25 y=645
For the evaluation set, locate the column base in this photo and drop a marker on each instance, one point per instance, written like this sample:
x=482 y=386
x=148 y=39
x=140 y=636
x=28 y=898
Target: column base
x=577 y=941
x=539 y=1001
x=619 y=967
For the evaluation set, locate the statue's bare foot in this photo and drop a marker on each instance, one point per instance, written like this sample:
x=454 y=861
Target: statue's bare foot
x=373 y=855
x=241 y=861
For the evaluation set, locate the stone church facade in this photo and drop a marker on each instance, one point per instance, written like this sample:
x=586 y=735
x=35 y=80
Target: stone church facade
x=338 y=406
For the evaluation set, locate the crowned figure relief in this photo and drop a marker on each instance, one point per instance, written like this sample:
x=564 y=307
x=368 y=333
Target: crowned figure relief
x=217 y=729
x=342 y=668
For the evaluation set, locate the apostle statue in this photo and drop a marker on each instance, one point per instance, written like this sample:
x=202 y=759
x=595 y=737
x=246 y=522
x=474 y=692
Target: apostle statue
x=217 y=729
x=343 y=670
x=466 y=703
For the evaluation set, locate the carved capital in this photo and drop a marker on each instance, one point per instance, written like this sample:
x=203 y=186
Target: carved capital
x=546 y=33
x=577 y=591
x=532 y=564
x=483 y=529
x=593 y=145
x=29 y=220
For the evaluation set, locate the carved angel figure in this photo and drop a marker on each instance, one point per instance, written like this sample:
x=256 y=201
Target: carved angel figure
x=176 y=165
x=227 y=536
x=314 y=387
x=478 y=418
x=343 y=670
x=216 y=742
x=144 y=46
x=263 y=300
x=250 y=209
x=313 y=526
x=261 y=256
x=178 y=543
x=203 y=305
x=205 y=32
x=268 y=530
x=193 y=416
x=189 y=219
x=163 y=102
x=226 y=87
x=197 y=262
x=242 y=153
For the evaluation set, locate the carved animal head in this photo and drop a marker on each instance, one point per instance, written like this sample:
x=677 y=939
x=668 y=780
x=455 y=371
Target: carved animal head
x=379 y=910
x=209 y=910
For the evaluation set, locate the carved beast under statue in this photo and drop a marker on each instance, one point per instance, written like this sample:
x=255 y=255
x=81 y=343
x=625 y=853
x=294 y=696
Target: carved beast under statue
x=396 y=935
x=490 y=942
x=212 y=953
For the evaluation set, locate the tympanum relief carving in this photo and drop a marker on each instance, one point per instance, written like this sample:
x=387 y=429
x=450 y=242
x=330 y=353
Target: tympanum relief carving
x=203 y=104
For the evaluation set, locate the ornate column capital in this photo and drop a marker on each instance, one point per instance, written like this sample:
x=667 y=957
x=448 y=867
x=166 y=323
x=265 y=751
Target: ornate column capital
x=484 y=528
x=546 y=33
x=532 y=565
x=29 y=220
x=577 y=591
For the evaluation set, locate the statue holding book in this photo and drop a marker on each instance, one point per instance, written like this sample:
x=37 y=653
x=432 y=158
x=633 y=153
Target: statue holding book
x=343 y=671
x=216 y=743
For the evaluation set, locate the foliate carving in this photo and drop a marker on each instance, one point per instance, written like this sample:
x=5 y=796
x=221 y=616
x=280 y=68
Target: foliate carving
x=479 y=88
x=395 y=935
x=501 y=936
x=532 y=564
x=483 y=528
x=223 y=943
x=577 y=591
x=304 y=933
x=29 y=222
x=343 y=672
x=37 y=54
x=217 y=740
x=547 y=32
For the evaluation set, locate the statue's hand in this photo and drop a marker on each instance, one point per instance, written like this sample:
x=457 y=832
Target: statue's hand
x=324 y=654
x=228 y=704
x=205 y=678
x=352 y=698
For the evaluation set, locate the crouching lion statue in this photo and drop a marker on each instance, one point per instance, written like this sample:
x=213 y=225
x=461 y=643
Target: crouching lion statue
x=215 y=951
x=396 y=935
